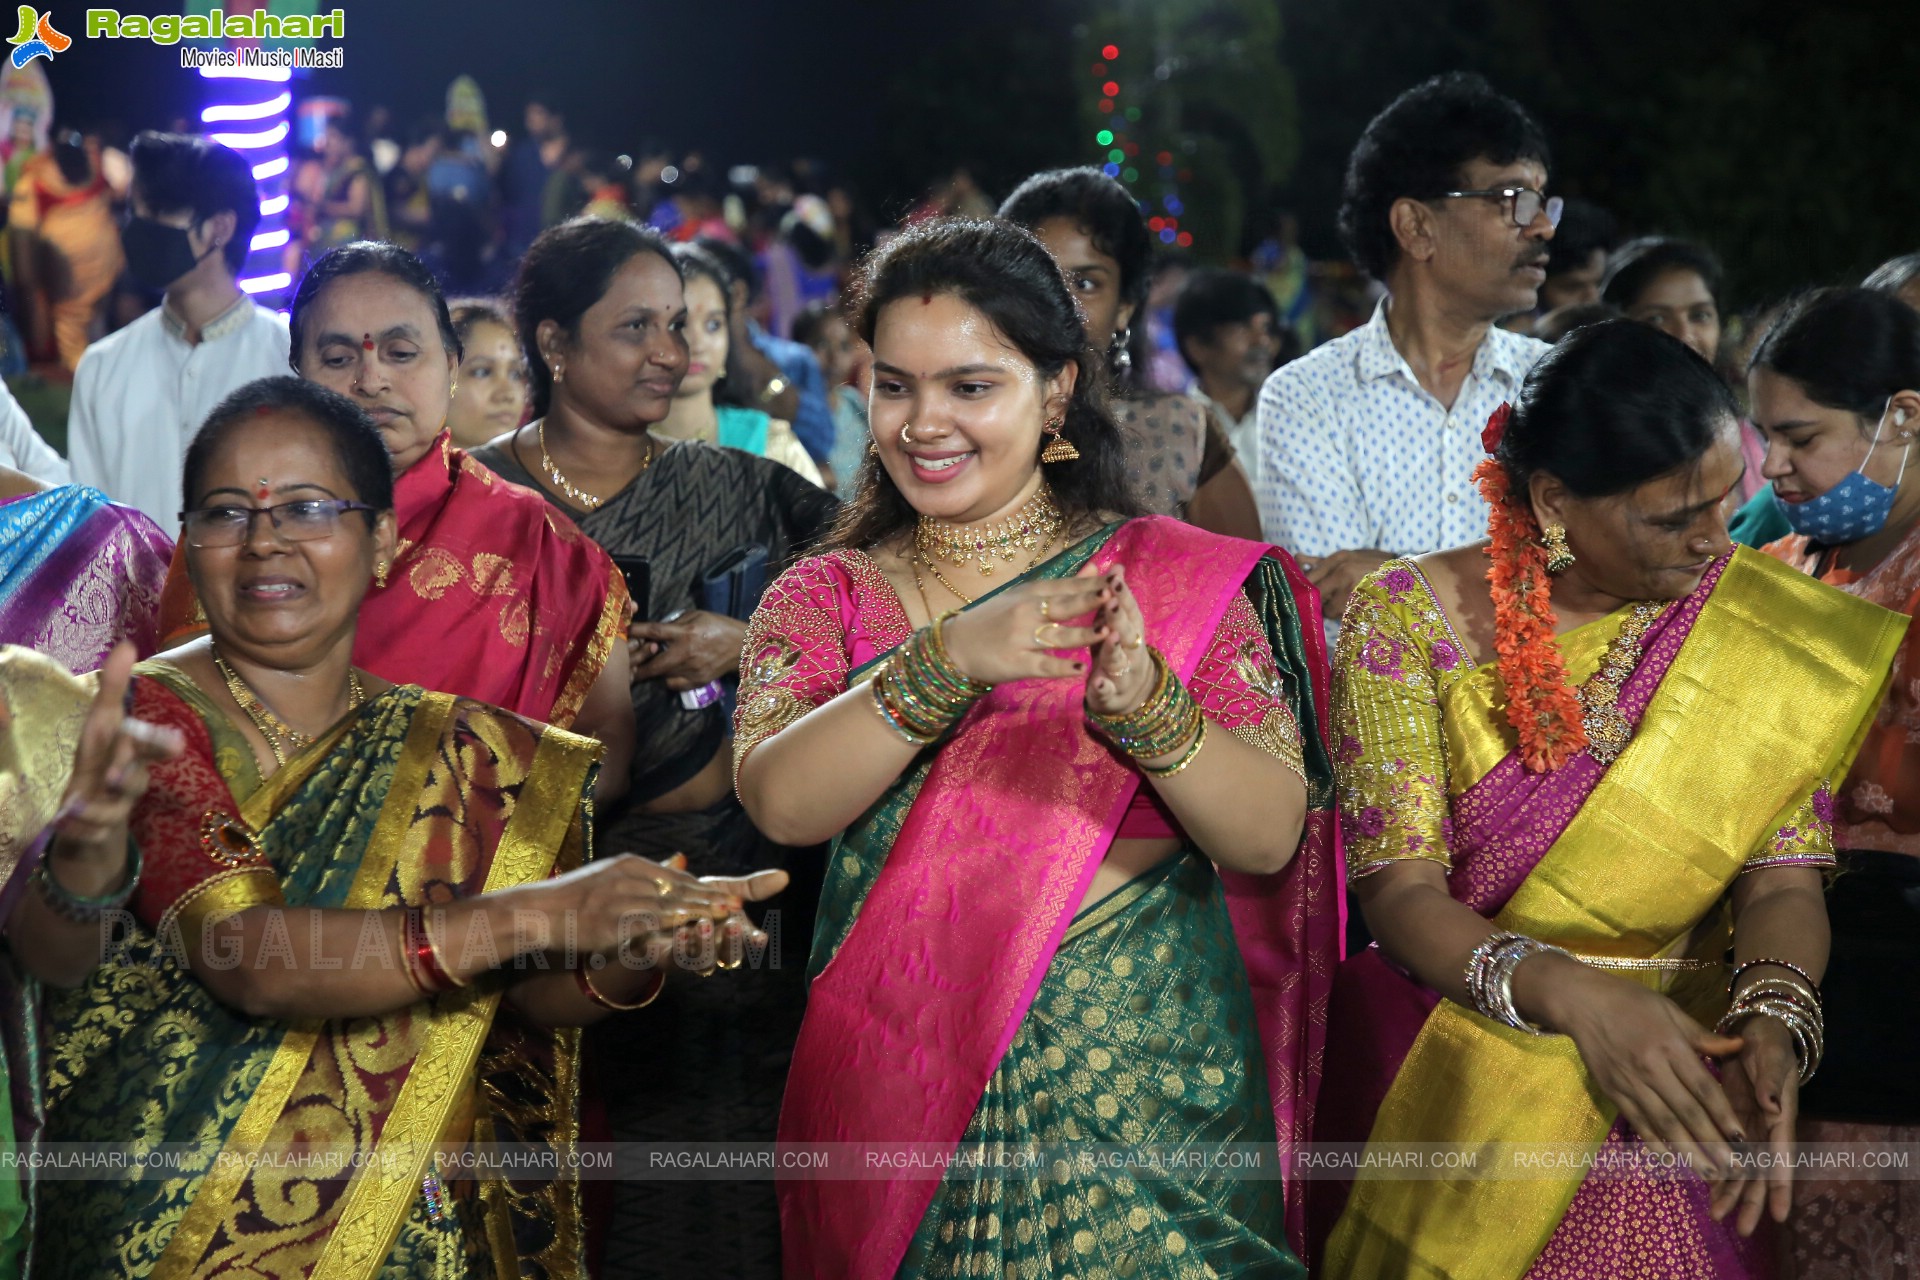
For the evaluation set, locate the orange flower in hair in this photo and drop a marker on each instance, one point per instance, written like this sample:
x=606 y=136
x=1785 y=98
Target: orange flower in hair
x=1544 y=711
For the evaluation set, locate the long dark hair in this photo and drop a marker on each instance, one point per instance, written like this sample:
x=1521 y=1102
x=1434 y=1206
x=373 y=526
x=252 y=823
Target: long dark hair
x=566 y=270
x=1004 y=273
x=1611 y=407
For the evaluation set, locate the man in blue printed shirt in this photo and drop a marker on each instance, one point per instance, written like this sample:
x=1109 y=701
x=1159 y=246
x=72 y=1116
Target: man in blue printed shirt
x=1368 y=443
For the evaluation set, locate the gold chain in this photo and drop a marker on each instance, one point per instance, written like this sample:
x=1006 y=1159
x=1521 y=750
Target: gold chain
x=272 y=727
x=1608 y=730
x=916 y=560
x=1034 y=526
x=581 y=496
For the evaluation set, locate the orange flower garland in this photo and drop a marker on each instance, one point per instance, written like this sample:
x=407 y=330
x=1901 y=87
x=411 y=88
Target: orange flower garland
x=1543 y=710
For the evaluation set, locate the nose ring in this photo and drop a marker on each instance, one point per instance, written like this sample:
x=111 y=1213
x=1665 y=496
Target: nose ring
x=904 y=428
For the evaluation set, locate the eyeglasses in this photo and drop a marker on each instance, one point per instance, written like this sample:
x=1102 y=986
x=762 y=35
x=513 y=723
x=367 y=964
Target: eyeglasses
x=301 y=521
x=1523 y=203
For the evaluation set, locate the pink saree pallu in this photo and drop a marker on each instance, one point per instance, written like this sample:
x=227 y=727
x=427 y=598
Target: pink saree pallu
x=940 y=964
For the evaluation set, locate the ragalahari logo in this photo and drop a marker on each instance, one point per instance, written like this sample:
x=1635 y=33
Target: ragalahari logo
x=37 y=38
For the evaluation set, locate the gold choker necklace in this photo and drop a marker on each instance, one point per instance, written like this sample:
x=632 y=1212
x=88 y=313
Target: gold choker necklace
x=1036 y=524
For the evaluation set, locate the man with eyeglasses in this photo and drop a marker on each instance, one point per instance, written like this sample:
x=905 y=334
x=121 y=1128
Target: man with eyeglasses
x=1368 y=443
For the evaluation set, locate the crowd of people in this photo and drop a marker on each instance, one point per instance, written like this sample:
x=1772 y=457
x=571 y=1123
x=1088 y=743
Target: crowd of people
x=732 y=674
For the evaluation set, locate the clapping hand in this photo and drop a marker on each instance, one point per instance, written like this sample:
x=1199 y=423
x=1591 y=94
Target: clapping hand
x=1121 y=676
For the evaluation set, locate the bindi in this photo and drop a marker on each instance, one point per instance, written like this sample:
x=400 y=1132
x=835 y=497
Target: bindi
x=263 y=492
x=366 y=342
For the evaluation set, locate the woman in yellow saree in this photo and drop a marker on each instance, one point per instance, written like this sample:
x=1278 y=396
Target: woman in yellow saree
x=363 y=926
x=1556 y=878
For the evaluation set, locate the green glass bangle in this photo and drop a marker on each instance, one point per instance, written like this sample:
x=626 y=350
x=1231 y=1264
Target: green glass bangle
x=77 y=909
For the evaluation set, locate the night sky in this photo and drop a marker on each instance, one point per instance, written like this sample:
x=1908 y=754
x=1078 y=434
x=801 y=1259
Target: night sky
x=746 y=80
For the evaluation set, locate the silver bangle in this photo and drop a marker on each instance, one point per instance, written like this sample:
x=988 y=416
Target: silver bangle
x=1489 y=977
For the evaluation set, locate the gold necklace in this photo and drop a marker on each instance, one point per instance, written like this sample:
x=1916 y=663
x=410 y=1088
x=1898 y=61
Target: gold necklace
x=1035 y=525
x=580 y=496
x=272 y=727
x=1608 y=729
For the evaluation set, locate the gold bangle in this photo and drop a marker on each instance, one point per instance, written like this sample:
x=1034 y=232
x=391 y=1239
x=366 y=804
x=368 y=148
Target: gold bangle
x=1186 y=758
x=585 y=978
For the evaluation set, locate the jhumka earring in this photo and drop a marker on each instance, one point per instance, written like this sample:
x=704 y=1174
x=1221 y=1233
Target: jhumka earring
x=1559 y=554
x=1059 y=448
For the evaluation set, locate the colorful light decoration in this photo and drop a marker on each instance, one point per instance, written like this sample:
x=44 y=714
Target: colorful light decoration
x=1123 y=159
x=254 y=95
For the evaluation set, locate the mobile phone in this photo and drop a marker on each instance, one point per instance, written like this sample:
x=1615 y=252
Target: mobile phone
x=639 y=576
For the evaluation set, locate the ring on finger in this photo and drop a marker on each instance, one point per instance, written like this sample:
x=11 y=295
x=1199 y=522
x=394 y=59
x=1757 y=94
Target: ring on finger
x=1039 y=637
x=1046 y=610
x=1138 y=642
x=662 y=886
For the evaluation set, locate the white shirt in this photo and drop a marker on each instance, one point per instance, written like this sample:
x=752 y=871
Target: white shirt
x=1356 y=454
x=21 y=446
x=1243 y=435
x=141 y=395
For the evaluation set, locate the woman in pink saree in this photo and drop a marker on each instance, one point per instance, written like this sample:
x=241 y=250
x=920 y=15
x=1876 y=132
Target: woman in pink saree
x=1569 y=887
x=1081 y=887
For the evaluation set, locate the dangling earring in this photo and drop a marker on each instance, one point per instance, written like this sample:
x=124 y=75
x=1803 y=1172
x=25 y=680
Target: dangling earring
x=1559 y=554
x=380 y=574
x=1119 y=359
x=1059 y=448
x=559 y=371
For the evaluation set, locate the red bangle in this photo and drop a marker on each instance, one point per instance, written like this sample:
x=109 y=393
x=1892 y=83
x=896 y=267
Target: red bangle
x=423 y=966
x=440 y=966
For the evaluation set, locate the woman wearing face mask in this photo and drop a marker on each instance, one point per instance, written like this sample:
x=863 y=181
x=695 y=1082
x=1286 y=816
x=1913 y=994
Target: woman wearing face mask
x=1835 y=387
x=1072 y=764
x=493 y=595
x=490 y=394
x=1178 y=459
x=698 y=413
x=1556 y=840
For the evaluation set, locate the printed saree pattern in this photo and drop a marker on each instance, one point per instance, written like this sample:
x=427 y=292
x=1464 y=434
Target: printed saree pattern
x=1566 y=857
x=79 y=574
x=415 y=798
x=494 y=595
x=910 y=1015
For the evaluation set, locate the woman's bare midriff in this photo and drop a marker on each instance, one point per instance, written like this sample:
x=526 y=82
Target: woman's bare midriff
x=1128 y=860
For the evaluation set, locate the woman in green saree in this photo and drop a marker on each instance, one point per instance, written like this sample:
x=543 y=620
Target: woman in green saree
x=367 y=918
x=1081 y=889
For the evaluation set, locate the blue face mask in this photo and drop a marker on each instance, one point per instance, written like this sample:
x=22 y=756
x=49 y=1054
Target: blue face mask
x=1855 y=508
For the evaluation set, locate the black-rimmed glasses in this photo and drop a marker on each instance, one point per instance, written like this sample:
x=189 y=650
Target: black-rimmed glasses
x=1524 y=204
x=300 y=521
